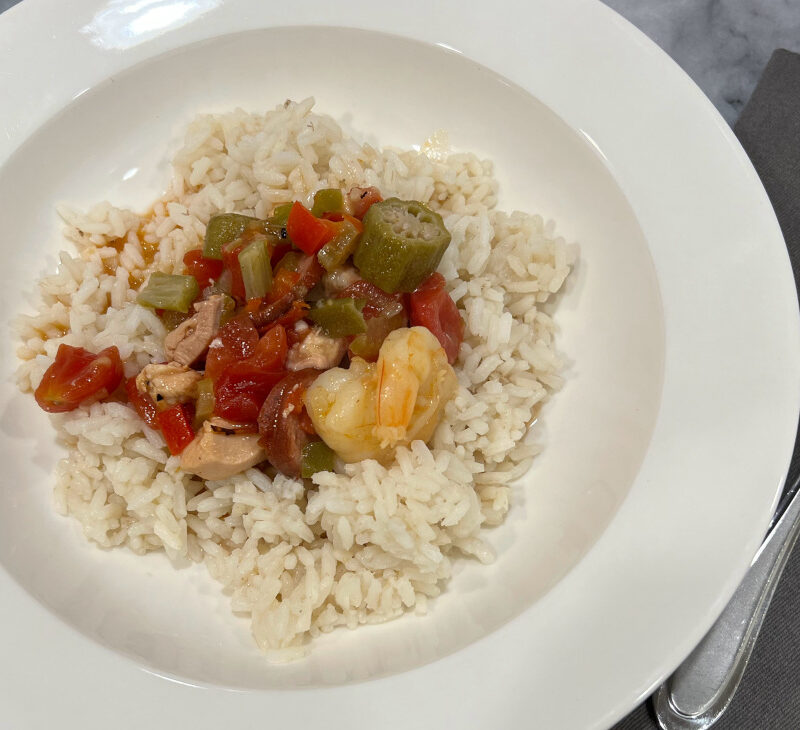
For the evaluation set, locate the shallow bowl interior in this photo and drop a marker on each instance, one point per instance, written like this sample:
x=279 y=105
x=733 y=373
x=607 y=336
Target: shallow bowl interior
x=114 y=142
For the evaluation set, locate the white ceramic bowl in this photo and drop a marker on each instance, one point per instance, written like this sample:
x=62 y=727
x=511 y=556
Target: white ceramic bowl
x=680 y=322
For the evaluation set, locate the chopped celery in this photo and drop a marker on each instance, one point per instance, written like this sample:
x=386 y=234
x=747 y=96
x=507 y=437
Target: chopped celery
x=327 y=200
x=336 y=251
x=402 y=244
x=340 y=317
x=256 y=270
x=175 y=292
x=204 y=406
x=315 y=456
x=224 y=228
x=280 y=215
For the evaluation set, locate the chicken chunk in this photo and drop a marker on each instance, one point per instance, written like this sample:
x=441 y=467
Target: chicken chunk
x=338 y=280
x=216 y=454
x=189 y=341
x=317 y=351
x=169 y=382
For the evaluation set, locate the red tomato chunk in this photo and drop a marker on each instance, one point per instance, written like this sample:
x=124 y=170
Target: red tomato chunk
x=203 y=269
x=379 y=303
x=144 y=405
x=230 y=259
x=241 y=390
x=176 y=426
x=308 y=233
x=77 y=376
x=432 y=307
x=237 y=341
x=243 y=386
x=362 y=199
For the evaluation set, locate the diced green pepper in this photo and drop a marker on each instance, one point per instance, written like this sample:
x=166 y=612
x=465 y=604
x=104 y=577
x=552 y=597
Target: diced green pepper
x=224 y=228
x=280 y=215
x=402 y=244
x=336 y=251
x=327 y=200
x=256 y=269
x=368 y=344
x=316 y=293
x=315 y=456
x=175 y=292
x=204 y=407
x=340 y=317
x=290 y=261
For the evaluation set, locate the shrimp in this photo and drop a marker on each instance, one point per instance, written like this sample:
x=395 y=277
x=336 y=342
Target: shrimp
x=341 y=405
x=414 y=382
x=366 y=411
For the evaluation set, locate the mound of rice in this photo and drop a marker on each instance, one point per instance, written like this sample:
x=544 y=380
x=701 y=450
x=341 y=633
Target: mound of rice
x=359 y=547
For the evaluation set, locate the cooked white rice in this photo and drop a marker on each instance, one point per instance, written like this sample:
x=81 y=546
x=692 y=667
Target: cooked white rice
x=358 y=547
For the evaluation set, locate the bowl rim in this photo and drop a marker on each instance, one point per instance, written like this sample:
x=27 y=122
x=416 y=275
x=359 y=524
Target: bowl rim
x=651 y=124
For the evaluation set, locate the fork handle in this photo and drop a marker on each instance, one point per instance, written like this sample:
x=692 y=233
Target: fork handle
x=701 y=689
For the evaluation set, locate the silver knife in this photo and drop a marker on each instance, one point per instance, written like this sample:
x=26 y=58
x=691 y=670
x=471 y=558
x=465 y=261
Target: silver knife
x=700 y=690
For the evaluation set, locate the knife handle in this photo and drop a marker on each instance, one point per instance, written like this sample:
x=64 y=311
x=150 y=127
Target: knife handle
x=702 y=687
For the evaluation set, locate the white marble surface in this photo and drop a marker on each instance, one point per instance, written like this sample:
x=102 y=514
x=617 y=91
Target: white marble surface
x=723 y=45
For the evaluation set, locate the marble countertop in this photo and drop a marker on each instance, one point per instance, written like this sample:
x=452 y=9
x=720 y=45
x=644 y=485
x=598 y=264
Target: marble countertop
x=723 y=45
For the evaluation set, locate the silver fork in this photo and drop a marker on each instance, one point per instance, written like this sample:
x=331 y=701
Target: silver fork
x=701 y=689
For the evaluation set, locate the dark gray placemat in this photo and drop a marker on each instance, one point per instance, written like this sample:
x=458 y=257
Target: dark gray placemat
x=769 y=130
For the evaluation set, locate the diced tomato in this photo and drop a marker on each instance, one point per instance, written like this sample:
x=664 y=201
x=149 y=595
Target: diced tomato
x=432 y=307
x=362 y=199
x=379 y=303
x=176 y=426
x=203 y=269
x=242 y=389
x=308 y=233
x=237 y=341
x=278 y=253
x=144 y=405
x=230 y=259
x=294 y=278
x=242 y=385
x=252 y=305
x=77 y=376
x=338 y=217
x=282 y=284
x=298 y=310
x=293 y=336
x=270 y=352
x=311 y=272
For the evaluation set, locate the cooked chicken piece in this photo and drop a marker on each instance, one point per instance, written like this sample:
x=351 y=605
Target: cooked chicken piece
x=339 y=279
x=189 y=340
x=168 y=382
x=317 y=351
x=216 y=454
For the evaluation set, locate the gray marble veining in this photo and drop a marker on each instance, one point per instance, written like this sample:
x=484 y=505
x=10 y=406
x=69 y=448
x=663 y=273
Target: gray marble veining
x=723 y=45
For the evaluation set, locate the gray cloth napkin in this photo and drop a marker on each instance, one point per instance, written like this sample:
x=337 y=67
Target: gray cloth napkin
x=769 y=130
